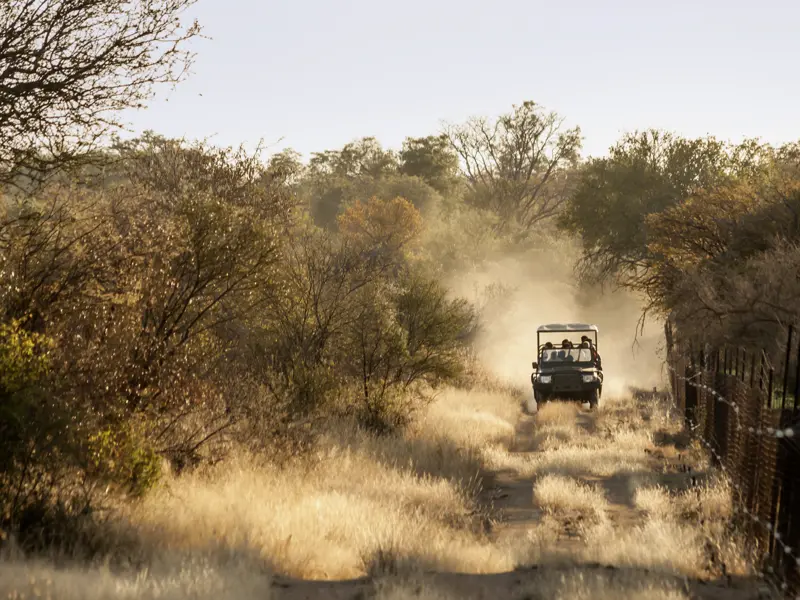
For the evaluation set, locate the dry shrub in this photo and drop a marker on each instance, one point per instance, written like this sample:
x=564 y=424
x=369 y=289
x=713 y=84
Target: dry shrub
x=557 y=413
x=558 y=494
x=666 y=546
x=321 y=521
x=575 y=461
x=361 y=503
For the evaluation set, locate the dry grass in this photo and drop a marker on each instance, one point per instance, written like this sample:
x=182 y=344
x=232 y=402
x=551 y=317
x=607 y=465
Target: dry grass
x=557 y=494
x=655 y=501
x=360 y=505
x=195 y=579
x=577 y=461
x=396 y=507
x=604 y=445
x=557 y=413
x=665 y=546
x=674 y=532
x=561 y=584
x=593 y=585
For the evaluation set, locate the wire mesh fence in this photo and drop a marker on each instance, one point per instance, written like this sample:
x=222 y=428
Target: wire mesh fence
x=743 y=404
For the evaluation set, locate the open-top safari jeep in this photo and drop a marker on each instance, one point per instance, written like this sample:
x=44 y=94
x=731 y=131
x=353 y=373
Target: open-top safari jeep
x=568 y=368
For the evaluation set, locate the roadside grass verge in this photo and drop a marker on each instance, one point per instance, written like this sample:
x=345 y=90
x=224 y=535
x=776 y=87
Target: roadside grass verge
x=670 y=528
x=359 y=504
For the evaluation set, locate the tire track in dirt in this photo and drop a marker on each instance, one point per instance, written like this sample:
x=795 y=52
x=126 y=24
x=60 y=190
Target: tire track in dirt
x=633 y=448
x=665 y=461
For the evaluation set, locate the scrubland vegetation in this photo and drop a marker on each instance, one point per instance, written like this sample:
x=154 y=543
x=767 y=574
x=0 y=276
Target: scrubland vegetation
x=218 y=367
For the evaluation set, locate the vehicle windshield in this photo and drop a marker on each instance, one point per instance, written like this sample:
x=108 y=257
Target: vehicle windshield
x=565 y=355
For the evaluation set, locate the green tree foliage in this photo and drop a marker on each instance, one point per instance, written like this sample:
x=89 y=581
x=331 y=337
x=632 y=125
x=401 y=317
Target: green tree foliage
x=706 y=230
x=364 y=157
x=645 y=173
x=433 y=160
x=360 y=329
x=138 y=283
x=361 y=170
x=727 y=258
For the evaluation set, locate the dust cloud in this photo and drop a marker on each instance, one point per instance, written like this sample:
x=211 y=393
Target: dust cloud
x=517 y=293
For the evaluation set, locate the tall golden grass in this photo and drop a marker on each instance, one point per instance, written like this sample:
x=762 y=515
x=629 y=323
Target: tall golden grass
x=674 y=531
x=397 y=507
x=358 y=505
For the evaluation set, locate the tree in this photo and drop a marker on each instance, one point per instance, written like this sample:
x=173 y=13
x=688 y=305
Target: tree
x=379 y=224
x=403 y=339
x=645 y=173
x=67 y=67
x=363 y=157
x=138 y=288
x=517 y=166
x=336 y=177
x=361 y=170
x=716 y=232
x=432 y=159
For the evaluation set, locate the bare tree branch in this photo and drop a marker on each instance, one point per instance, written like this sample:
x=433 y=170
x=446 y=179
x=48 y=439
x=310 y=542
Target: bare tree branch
x=68 y=67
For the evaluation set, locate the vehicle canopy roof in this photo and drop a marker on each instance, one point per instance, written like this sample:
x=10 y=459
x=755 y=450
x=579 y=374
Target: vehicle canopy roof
x=556 y=327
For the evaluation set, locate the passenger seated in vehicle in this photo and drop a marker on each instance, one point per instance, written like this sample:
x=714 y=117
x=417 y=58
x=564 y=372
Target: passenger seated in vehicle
x=586 y=342
x=566 y=343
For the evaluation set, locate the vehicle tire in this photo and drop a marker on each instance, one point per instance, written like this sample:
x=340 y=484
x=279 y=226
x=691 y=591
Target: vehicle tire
x=594 y=399
x=541 y=399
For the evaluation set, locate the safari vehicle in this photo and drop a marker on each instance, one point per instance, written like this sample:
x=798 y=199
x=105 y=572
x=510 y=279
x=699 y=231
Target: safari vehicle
x=568 y=367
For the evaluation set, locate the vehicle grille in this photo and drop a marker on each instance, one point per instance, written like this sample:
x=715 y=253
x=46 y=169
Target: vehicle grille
x=567 y=381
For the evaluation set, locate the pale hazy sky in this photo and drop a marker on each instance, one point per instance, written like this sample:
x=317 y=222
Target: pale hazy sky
x=321 y=73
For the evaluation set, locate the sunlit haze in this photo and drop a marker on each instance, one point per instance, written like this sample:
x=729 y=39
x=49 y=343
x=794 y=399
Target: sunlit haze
x=313 y=75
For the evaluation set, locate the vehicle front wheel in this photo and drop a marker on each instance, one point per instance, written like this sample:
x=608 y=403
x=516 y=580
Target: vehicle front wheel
x=594 y=399
x=541 y=398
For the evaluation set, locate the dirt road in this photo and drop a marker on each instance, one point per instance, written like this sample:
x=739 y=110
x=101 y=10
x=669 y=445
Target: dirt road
x=607 y=504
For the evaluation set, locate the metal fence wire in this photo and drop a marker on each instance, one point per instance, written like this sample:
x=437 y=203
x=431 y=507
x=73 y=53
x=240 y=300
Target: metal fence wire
x=744 y=406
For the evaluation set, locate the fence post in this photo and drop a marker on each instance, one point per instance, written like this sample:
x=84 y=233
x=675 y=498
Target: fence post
x=744 y=364
x=786 y=367
x=796 y=382
x=725 y=366
x=736 y=370
x=690 y=395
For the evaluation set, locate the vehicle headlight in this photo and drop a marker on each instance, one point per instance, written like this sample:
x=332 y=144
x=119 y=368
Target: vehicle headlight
x=545 y=378
x=589 y=378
